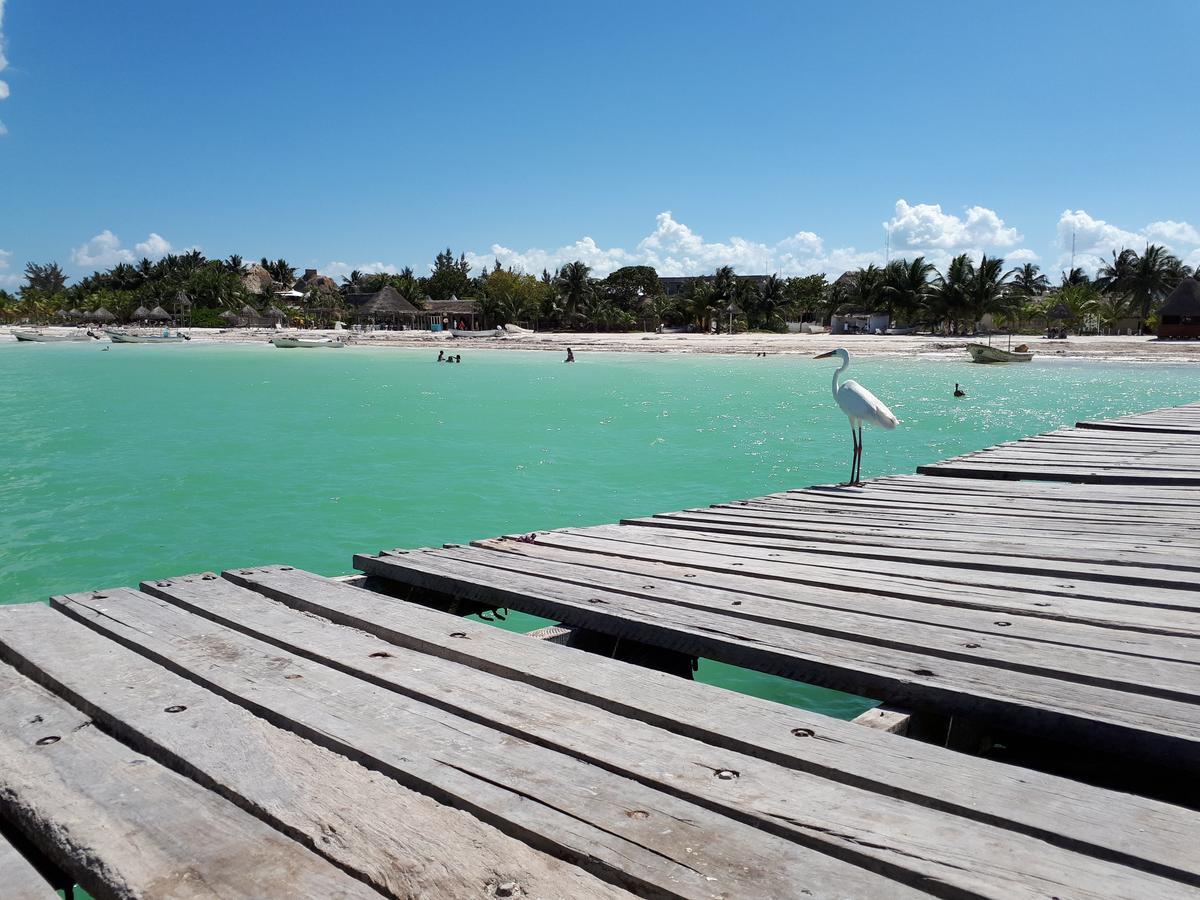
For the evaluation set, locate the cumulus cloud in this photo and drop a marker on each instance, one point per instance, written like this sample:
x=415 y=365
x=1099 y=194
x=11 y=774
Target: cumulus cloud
x=1095 y=240
x=1019 y=257
x=338 y=269
x=8 y=280
x=673 y=248
x=105 y=250
x=925 y=227
x=155 y=246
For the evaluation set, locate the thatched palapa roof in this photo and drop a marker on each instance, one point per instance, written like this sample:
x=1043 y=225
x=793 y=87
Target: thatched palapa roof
x=1184 y=300
x=229 y=315
x=387 y=301
x=274 y=312
x=61 y=313
x=140 y=313
x=101 y=315
x=248 y=310
x=158 y=314
x=258 y=280
x=1060 y=311
x=452 y=307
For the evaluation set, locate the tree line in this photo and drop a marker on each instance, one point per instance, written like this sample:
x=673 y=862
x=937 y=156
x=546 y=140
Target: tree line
x=910 y=291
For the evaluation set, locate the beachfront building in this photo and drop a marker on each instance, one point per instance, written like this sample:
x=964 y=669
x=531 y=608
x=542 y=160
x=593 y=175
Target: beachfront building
x=859 y=323
x=1180 y=314
x=451 y=313
x=312 y=279
x=385 y=306
x=673 y=285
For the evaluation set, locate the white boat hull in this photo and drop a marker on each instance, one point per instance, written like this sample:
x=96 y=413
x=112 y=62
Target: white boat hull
x=289 y=343
x=982 y=353
x=121 y=337
x=491 y=332
x=37 y=338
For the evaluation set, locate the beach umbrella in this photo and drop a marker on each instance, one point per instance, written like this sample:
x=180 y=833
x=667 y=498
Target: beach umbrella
x=102 y=315
x=249 y=311
x=140 y=313
x=158 y=314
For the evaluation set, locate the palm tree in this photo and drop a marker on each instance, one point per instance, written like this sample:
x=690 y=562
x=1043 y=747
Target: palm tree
x=1028 y=281
x=864 y=288
x=352 y=281
x=1074 y=276
x=907 y=285
x=770 y=300
x=702 y=299
x=234 y=265
x=1146 y=279
x=573 y=284
x=949 y=298
x=987 y=288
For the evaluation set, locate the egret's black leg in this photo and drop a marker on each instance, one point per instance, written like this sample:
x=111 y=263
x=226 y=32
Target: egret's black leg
x=858 y=461
x=853 y=455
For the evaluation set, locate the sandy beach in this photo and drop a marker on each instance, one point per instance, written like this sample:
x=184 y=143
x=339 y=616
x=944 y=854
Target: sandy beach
x=1129 y=348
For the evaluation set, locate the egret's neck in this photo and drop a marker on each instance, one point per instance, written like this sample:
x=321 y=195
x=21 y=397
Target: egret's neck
x=837 y=374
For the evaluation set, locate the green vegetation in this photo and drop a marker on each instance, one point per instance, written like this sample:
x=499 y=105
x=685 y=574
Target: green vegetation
x=211 y=292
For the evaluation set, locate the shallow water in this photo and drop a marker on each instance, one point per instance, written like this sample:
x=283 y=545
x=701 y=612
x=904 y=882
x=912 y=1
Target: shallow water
x=146 y=462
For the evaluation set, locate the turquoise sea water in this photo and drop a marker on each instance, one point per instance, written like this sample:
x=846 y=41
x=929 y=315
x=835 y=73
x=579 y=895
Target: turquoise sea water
x=146 y=462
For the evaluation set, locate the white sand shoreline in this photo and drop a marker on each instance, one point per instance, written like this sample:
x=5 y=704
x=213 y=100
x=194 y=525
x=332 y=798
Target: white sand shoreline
x=1130 y=348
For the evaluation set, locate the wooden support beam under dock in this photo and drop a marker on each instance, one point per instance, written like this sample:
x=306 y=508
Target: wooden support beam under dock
x=270 y=732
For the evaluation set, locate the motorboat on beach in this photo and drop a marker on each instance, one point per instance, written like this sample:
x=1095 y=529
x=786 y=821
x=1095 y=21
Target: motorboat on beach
x=125 y=337
x=287 y=343
x=40 y=337
x=490 y=332
x=986 y=353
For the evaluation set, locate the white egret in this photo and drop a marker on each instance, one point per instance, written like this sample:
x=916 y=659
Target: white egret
x=860 y=406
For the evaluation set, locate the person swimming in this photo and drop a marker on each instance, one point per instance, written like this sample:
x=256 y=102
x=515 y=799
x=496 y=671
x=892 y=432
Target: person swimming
x=959 y=392
x=441 y=355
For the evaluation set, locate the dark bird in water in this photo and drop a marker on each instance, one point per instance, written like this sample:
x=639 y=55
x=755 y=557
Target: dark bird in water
x=959 y=392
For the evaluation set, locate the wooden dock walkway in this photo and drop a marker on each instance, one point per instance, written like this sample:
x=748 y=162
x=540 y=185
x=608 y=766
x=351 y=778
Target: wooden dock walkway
x=269 y=732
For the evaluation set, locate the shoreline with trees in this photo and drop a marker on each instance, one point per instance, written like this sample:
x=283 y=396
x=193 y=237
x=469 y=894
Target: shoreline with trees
x=968 y=296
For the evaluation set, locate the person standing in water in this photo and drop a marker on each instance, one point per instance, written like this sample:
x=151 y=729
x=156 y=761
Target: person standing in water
x=570 y=355
x=959 y=392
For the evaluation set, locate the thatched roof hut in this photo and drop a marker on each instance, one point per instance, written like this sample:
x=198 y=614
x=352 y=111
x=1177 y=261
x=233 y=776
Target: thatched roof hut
x=312 y=279
x=61 y=313
x=385 y=303
x=75 y=313
x=158 y=314
x=274 y=312
x=140 y=314
x=183 y=301
x=258 y=280
x=1060 y=312
x=229 y=315
x=100 y=315
x=248 y=311
x=1179 y=316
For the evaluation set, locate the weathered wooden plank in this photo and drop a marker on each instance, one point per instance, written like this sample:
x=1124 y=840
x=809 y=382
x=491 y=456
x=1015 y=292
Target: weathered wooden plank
x=767 y=794
x=913 y=522
x=402 y=843
x=734 y=520
x=583 y=812
x=704 y=559
x=1141 y=832
x=1146 y=588
x=1153 y=727
x=1043 y=473
x=123 y=826
x=902 y=607
x=19 y=879
x=1085 y=665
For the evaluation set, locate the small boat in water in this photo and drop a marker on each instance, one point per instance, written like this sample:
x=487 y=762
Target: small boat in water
x=286 y=343
x=42 y=338
x=985 y=353
x=124 y=337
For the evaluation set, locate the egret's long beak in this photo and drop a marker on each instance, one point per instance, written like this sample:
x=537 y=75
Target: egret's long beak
x=824 y=355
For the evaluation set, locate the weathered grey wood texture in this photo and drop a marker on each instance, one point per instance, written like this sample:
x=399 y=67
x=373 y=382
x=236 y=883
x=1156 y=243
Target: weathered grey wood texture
x=1070 y=610
x=19 y=880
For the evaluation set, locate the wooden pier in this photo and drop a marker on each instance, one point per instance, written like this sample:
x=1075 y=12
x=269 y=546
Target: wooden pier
x=272 y=733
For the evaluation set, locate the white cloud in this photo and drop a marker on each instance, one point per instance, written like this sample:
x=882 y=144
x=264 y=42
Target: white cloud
x=925 y=227
x=675 y=249
x=105 y=250
x=337 y=270
x=1095 y=239
x=100 y=252
x=1024 y=255
x=8 y=280
x=1172 y=233
x=155 y=246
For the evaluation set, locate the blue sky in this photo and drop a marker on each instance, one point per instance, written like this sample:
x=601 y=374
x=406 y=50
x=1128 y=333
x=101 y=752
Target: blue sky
x=783 y=136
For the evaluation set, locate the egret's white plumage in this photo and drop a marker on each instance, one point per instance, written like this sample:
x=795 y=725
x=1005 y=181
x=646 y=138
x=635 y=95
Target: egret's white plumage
x=860 y=406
